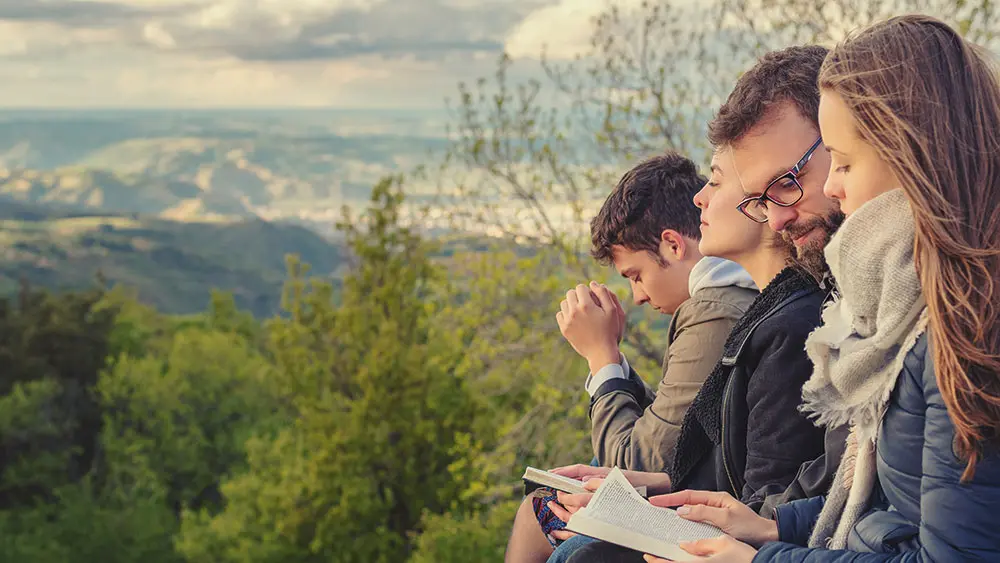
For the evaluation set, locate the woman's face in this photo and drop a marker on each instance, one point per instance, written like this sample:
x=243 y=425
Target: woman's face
x=857 y=173
x=725 y=232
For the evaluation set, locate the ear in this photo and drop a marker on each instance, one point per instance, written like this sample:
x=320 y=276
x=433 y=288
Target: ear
x=673 y=246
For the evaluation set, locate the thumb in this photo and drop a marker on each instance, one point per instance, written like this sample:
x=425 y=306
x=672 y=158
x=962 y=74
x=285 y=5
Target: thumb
x=704 y=547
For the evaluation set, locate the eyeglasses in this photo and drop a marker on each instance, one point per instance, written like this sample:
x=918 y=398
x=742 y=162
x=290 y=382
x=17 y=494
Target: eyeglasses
x=783 y=191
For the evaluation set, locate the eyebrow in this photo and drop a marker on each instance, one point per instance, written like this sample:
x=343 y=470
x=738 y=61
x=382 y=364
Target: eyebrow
x=831 y=149
x=715 y=168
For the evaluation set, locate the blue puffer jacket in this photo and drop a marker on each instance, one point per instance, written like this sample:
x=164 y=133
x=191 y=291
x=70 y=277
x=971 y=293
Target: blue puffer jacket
x=921 y=512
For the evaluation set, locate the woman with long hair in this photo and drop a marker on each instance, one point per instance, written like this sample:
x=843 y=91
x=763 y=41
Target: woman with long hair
x=910 y=353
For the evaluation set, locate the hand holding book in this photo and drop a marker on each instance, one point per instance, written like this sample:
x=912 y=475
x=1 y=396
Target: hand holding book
x=722 y=511
x=618 y=514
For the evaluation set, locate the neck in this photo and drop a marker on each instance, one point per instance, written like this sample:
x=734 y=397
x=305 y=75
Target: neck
x=762 y=266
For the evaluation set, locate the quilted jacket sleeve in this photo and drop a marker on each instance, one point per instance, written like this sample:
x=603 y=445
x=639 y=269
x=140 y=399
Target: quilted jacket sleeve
x=958 y=521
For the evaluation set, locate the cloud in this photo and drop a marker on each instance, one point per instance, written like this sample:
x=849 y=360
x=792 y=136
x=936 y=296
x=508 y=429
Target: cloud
x=409 y=53
x=76 y=13
x=284 y=30
x=564 y=29
x=290 y=32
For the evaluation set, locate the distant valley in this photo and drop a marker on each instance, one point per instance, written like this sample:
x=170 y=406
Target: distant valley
x=294 y=165
x=174 y=204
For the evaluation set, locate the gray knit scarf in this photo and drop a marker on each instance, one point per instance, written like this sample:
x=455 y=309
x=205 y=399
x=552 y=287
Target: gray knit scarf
x=858 y=351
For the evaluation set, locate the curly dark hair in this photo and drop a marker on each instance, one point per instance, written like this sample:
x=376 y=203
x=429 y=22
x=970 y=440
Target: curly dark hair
x=654 y=196
x=786 y=76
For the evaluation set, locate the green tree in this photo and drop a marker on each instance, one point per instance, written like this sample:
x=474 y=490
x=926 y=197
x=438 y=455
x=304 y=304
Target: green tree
x=52 y=348
x=378 y=412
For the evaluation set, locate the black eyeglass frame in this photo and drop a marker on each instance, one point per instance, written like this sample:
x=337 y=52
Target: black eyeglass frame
x=792 y=174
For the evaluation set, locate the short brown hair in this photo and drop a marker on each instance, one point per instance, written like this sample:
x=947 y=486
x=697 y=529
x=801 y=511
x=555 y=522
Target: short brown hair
x=656 y=195
x=786 y=76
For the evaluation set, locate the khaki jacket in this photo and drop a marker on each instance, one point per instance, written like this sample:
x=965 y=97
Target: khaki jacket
x=639 y=430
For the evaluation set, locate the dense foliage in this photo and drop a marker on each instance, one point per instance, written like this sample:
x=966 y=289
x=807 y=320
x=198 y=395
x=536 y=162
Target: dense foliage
x=381 y=421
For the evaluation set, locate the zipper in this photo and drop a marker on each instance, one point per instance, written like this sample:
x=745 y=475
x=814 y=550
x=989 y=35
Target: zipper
x=725 y=462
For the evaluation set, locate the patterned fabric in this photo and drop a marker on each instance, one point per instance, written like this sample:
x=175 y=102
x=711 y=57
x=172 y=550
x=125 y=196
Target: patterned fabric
x=548 y=521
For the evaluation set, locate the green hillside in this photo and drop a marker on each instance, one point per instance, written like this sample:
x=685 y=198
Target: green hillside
x=171 y=265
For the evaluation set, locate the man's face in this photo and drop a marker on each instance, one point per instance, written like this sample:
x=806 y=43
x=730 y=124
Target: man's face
x=664 y=286
x=770 y=150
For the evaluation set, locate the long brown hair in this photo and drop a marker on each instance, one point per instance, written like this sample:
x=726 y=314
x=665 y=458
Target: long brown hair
x=929 y=103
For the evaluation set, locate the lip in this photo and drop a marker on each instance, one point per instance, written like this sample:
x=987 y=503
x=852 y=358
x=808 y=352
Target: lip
x=804 y=238
x=704 y=224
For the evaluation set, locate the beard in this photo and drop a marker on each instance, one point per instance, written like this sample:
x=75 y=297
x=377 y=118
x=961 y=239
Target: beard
x=810 y=255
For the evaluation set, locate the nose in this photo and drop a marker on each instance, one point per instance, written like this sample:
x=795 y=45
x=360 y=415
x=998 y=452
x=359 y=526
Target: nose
x=639 y=296
x=780 y=217
x=700 y=198
x=833 y=188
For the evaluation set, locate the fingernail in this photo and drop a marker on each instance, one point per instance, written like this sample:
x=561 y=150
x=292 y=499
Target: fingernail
x=684 y=510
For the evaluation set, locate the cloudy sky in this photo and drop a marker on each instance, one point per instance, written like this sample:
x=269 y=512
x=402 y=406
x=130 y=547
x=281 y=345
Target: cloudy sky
x=204 y=53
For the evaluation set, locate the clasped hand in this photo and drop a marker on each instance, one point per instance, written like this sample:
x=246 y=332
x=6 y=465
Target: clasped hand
x=593 y=322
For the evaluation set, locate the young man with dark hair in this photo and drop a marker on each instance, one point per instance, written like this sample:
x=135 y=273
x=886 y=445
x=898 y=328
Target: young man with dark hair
x=649 y=229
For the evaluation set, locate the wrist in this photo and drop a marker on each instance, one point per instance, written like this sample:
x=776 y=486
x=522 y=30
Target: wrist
x=602 y=358
x=769 y=531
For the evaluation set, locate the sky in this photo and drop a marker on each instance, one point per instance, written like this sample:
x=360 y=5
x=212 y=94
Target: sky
x=270 y=53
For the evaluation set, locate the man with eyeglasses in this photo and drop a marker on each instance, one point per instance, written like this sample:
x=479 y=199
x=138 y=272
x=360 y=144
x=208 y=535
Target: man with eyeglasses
x=782 y=169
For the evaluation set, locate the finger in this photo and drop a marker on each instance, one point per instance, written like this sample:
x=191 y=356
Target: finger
x=593 y=484
x=560 y=320
x=618 y=303
x=605 y=299
x=560 y=512
x=705 y=547
x=571 y=298
x=689 y=497
x=583 y=298
x=654 y=559
x=575 y=471
x=564 y=307
x=573 y=502
x=618 y=307
x=593 y=286
x=562 y=534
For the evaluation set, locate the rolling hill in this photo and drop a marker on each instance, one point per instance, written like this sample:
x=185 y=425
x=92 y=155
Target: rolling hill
x=200 y=165
x=171 y=265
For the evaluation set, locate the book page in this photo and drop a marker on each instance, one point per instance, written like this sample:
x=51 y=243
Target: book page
x=618 y=505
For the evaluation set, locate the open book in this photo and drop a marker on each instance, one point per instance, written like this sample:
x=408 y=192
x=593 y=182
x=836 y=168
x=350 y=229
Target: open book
x=619 y=515
x=534 y=478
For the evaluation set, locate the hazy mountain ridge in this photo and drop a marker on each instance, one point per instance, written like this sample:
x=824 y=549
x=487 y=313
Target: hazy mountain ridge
x=206 y=164
x=171 y=265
